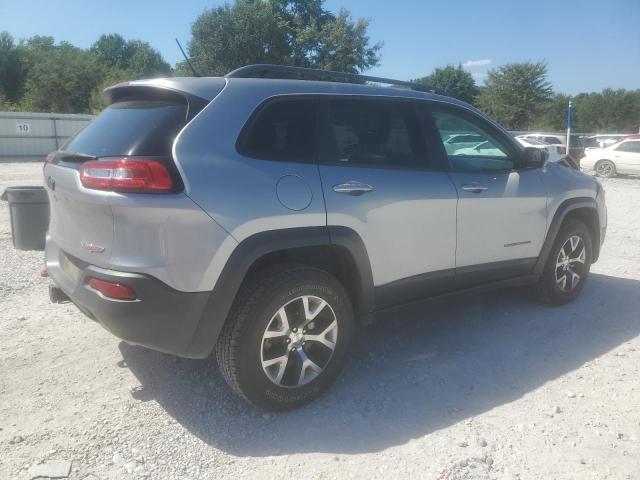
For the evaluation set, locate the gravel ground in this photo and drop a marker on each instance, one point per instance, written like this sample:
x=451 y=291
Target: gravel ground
x=488 y=386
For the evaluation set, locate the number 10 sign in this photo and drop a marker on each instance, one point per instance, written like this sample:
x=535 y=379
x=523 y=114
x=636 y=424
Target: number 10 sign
x=23 y=128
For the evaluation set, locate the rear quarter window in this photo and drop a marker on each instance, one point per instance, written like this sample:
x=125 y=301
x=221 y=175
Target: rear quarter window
x=135 y=127
x=283 y=130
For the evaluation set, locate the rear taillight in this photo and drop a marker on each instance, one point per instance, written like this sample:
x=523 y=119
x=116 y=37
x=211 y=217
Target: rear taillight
x=117 y=291
x=126 y=175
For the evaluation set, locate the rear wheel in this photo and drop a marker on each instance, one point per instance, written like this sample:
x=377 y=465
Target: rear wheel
x=605 y=169
x=286 y=338
x=568 y=265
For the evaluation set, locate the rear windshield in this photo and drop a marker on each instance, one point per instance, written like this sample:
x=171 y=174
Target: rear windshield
x=138 y=127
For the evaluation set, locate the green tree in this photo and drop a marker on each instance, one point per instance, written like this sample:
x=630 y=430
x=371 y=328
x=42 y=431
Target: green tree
x=516 y=94
x=454 y=81
x=301 y=20
x=60 y=78
x=342 y=45
x=134 y=56
x=611 y=111
x=112 y=50
x=145 y=61
x=553 y=114
x=40 y=41
x=286 y=32
x=12 y=70
x=229 y=36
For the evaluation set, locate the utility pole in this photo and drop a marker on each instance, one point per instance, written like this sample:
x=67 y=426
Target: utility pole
x=569 y=126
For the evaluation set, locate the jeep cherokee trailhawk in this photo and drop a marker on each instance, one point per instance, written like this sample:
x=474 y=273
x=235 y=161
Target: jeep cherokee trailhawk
x=269 y=214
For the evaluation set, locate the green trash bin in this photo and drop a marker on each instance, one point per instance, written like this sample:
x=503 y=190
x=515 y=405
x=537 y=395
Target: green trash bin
x=29 y=213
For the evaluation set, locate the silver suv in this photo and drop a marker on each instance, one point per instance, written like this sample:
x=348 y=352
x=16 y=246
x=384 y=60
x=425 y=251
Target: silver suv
x=267 y=219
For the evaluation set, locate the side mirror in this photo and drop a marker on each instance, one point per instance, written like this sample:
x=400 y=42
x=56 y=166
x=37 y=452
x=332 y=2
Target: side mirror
x=535 y=157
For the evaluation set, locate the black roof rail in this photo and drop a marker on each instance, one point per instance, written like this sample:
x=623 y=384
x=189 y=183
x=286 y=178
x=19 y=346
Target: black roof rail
x=301 y=73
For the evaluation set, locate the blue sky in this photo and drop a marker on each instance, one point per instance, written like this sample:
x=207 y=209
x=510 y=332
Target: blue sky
x=587 y=44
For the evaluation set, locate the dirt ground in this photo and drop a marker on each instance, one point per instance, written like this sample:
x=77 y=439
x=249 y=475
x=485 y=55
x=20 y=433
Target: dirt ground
x=486 y=386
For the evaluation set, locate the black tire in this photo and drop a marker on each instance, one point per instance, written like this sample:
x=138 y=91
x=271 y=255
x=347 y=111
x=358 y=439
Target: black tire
x=241 y=346
x=549 y=290
x=605 y=169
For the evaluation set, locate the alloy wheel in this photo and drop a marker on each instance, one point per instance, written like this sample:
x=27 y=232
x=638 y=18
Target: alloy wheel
x=571 y=263
x=299 y=341
x=605 y=169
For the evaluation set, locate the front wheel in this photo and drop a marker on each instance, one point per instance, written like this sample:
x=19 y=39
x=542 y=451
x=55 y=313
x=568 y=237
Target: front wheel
x=567 y=268
x=286 y=338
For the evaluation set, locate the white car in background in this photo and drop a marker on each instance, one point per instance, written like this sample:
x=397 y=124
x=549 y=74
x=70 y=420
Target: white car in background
x=603 y=141
x=552 y=150
x=559 y=143
x=622 y=157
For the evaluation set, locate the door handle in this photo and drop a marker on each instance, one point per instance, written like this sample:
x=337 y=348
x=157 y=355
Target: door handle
x=352 y=187
x=474 y=188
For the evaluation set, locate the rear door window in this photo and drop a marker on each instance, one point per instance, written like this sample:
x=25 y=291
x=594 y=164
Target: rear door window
x=136 y=127
x=282 y=130
x=374 y=133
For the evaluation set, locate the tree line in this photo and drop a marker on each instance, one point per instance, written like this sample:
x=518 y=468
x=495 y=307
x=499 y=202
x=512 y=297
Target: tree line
x=38 y=74
x=520 y=97
x=41 y=76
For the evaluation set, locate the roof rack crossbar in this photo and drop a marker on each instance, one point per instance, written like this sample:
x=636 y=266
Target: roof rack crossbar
x=301 y=73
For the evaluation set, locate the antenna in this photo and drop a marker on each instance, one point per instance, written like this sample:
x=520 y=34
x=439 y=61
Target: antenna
x=195 y=74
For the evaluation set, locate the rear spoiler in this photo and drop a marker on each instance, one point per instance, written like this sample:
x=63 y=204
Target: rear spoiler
x=185 y=88
x=126 y=91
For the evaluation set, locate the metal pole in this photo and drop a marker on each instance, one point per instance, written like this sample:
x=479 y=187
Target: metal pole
x=569 y=127
x=55 y=131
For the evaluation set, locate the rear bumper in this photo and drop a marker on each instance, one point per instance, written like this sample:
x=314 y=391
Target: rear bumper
x=161 y=318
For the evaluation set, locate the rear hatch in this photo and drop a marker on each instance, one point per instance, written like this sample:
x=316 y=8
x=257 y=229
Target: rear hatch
x=140 y=126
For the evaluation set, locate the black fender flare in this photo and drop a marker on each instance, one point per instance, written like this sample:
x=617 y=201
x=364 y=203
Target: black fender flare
x=347 y=239
x=255 y=247
x=558 y=218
